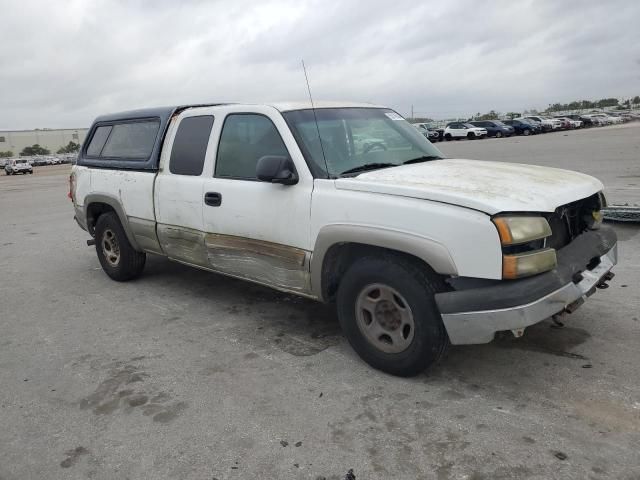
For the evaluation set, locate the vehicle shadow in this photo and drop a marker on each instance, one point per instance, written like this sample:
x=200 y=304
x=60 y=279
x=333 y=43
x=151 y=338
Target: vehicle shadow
x=304 y=327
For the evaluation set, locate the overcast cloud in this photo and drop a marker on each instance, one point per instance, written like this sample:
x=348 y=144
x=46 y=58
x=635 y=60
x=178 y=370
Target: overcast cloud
x=63 y=63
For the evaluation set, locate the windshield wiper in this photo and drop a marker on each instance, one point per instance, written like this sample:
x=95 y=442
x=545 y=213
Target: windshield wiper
x=424 y=158
x=368 y=166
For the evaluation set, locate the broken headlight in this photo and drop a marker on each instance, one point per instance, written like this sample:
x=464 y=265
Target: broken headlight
x=520 y=229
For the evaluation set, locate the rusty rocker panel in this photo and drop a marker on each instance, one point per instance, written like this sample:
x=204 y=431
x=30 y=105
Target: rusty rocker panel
x=271 y=264
x=279 y=266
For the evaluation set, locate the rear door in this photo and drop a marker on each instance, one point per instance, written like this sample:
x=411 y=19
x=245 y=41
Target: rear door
x=257 y=230
x=179 y=186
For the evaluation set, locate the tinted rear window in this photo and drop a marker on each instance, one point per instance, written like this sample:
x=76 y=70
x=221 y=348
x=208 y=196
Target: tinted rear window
x=131 y=140
x=97 y=142
x=190 y=145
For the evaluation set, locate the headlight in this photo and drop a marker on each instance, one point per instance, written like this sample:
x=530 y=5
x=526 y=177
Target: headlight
x=516 y=230
x=522 y=245
x=527 y=264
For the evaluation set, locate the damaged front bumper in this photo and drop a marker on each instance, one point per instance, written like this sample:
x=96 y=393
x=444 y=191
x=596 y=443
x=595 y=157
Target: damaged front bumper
x=474 y=315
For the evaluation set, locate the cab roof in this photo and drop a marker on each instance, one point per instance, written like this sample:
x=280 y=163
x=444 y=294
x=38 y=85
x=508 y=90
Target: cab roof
x=167 y=112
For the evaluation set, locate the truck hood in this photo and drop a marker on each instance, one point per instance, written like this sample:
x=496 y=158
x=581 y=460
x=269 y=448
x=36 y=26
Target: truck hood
x=490 y=187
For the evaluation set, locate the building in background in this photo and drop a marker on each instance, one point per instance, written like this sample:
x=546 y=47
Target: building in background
x=51 y=139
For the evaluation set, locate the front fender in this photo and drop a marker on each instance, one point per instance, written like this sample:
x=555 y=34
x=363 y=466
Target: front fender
x=435 y=254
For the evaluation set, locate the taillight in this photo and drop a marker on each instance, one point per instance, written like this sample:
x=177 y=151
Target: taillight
x=72 y=188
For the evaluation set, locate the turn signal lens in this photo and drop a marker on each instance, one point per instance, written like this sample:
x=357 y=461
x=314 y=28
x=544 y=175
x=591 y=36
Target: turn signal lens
x=516 y=230
x=527 y=264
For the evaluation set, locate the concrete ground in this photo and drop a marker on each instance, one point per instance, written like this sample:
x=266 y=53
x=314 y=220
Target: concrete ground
x=184 y=374
x=611 y=154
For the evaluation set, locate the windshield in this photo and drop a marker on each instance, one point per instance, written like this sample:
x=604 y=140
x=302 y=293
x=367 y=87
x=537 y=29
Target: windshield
x=357 y=137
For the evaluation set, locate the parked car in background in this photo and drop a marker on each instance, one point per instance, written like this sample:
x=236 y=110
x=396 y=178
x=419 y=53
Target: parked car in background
x=433 y=134
x=585 y=121
x=617 y=118
x=544 y=126
x=19 y=165
x=458 y=130
x=523 y=127
x=547 y=124
x=567 y=123
x=38 y=162
x=494 y=128
x=597 y=121
x=606 y=119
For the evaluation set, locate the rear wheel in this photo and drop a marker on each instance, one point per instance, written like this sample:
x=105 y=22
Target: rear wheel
x=117 y=256
x=526 y=132
x=388 y=313
x=498 y=134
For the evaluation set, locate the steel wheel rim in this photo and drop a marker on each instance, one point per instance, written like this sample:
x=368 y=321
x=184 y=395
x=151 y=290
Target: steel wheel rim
x=110 y=248
x=385 y=318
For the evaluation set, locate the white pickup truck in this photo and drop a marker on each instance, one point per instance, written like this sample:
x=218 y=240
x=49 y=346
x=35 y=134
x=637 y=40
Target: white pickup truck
x=417 y=251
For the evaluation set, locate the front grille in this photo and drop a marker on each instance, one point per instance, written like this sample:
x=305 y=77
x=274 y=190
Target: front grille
x=570 y=220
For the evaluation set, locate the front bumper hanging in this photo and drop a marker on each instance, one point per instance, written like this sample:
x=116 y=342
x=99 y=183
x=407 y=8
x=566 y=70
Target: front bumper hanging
x=475 y=315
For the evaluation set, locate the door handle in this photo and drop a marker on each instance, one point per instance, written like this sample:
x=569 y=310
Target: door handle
x=213 y=199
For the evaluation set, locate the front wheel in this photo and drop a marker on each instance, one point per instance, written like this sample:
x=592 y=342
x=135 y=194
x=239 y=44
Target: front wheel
x=526 y=132
x=471 y=136
x=117 y=256
x=498 y=134
x=388 y=313
x=447 y=137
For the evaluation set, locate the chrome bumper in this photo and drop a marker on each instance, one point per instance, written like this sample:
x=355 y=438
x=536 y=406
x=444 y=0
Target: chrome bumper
x=480 y=327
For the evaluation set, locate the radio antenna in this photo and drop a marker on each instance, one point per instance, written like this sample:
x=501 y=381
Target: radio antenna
x=315 y=117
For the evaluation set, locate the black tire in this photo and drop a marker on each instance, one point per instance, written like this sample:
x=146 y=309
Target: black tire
x=447 y=137
x=130 y=262
x=417 y=287
x=526 y=132
x=471 y=136
x=498 y=134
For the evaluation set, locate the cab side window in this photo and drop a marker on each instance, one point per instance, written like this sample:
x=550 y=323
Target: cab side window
x=245 y=138
x=190 y=145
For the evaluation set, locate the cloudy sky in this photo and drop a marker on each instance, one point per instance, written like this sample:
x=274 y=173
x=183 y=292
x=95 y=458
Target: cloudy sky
x=62 y=63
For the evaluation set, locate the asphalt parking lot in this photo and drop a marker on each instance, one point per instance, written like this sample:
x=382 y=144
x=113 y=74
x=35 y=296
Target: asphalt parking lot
x=184 y=374
x=611 y=154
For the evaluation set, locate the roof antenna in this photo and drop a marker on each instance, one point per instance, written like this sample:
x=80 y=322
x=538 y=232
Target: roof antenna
x=315 y=117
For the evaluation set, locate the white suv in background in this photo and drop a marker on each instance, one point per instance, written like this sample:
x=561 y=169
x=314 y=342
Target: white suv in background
x=15 y=166
x=460 y=130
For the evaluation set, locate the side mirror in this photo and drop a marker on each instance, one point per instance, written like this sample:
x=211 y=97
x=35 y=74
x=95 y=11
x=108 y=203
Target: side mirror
x=276 y=169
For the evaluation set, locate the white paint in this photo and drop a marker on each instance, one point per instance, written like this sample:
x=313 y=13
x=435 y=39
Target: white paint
x=462 y=130
x=259 y=210
x=469 y=236
x=133 y=189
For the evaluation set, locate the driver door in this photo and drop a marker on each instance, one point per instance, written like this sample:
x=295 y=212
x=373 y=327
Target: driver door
x=257 y=230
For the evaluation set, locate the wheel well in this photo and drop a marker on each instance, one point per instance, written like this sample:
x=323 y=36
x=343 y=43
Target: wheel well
x=94 y=210
x=341 y=256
